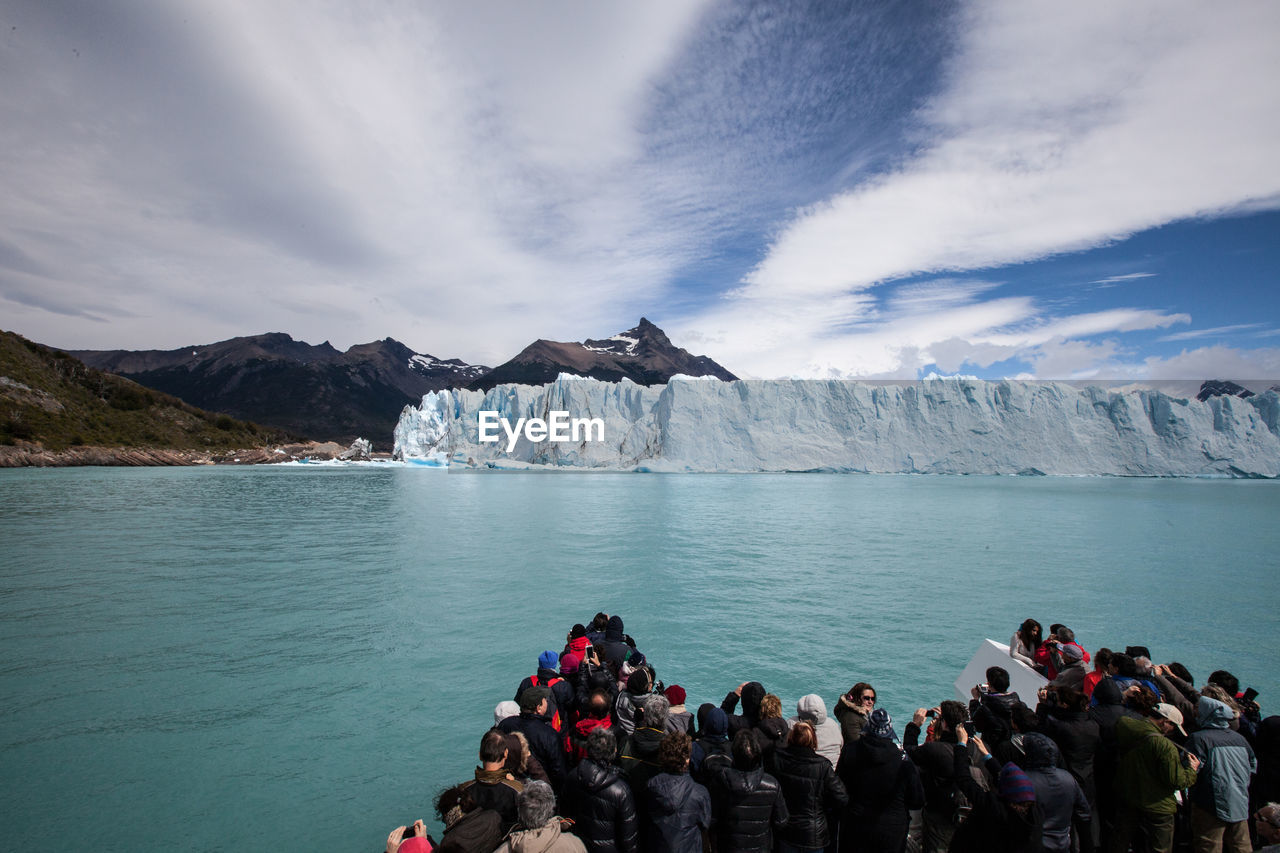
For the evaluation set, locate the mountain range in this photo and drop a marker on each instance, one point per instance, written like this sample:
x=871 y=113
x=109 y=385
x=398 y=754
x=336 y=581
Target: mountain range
x=322 y=393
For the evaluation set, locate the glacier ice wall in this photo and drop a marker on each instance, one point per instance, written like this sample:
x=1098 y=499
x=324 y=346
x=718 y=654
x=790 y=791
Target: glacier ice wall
x=935 y=426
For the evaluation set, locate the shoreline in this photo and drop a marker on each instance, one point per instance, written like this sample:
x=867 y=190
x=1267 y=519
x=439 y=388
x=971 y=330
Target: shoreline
x=35 y=456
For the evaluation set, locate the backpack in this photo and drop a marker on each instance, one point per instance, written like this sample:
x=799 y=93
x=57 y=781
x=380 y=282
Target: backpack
x=551 y=682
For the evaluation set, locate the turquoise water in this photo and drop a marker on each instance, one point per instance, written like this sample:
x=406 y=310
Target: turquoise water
x=231 y=658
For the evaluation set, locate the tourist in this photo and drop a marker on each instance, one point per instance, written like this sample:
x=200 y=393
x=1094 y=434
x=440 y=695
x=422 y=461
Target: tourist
x=1064 y=716
x=712 y=742
x=599 y=624
x=595 y=714
x=1101 y=669
x=678 y=809
x=577 y=642
x=493 y=786
x=883 y=786
x=521 y=762
x=853 y=708
x=944 y=805
x=1068 y=658
x=543 y=741
x=626 y=708
x=638 y=751
x=1149 y=773
x=415 y=843
x=812 y=791
x=747 y=805
x=599 y=800
x=771 y=731
x=1025 y=642
x=1220 y=796
x=1049 y=655
x=1059 y=795
x=539 y=829
x=560 y=696
x=1004 y=820
x=616 y=649
x=1266 y=821
x=467 y=827
x=751 y=693
x=812 y=710
x=992 y=707
x=679 y=719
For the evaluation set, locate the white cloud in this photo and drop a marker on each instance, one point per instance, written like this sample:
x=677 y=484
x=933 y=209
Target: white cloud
x=1060 y=128
x=1195 y=334
x=1118 y=279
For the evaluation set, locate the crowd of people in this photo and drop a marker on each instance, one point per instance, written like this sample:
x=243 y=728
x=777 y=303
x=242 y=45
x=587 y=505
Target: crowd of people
x=1114 y=753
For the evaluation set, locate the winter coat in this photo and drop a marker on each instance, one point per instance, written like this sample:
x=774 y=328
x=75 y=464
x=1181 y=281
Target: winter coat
x=713 y=741
x=548 y=838
x=544 y=743
x=638 y=756
x=616 y=650
x=680 y=720
x=936 y=761
x=883 y=784
x=677 y=811
x=563 y=695
x=1078 y=738
x=813 y=711
x=575 y=742
x=478 y=831
x=1222 y=783
x=1266 y=745
x=491 y=789
x=851 y=719
x=992 y=715
x=1057 y=792
x=599 y=800
x=1149 y=769
x=770 y=733
x=811 y=788
x=747 y=807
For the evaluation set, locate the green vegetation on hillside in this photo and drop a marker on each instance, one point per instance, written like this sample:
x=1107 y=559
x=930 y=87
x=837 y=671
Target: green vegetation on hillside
x=50 y=398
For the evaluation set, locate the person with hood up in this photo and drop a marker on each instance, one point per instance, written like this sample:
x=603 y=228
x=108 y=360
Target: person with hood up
x=1220 y=796
x=751 y=693
x=853 y=708
x=599 y=800
x=812 y=790
x=1006 y=820
x=616 y=650
x=677 y=809
x=540 y=830
x=638 y=751
x=812 y=710
x=1059 y=795
x=712 y=742
x=747 y=805
x=577 y=642
x=883 y=786
x=1149 y=773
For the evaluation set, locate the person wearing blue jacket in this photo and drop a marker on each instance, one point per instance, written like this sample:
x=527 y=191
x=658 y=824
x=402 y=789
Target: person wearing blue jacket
x=1220 y=795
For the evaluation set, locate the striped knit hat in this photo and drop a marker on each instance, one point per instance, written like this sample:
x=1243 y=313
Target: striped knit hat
x=1015 y=786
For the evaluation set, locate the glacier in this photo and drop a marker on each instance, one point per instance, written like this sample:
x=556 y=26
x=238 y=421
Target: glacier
x=933 y=426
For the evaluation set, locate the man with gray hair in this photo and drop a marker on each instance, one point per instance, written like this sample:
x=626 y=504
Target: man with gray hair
x=639 y=750
x=599 y=801
x=540 y=832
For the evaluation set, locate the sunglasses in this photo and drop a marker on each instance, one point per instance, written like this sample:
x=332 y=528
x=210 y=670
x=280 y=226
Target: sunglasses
x=866 y=699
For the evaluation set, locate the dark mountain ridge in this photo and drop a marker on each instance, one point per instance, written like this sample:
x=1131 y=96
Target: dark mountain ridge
x=643 y=354
x=272 y=379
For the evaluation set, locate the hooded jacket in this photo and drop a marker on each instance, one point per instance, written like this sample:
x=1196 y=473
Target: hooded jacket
x=851 y=720
x=992 y=715
x=883 y=784
x=1078 y=738
x=544 y=743
x=638 y=756
x=678 y=809
x=812 y=710
x=615 y=649
x=748 y=807
x=811 y=788
x=599 y=800
x=1057 y=791
x=547 y=838
x=1222 y=784
x=1149 y=769
x=713 y=740
x=752 y=693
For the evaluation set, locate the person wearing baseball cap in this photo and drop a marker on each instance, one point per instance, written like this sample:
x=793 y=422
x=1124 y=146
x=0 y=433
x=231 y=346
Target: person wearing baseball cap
x=1150 y=772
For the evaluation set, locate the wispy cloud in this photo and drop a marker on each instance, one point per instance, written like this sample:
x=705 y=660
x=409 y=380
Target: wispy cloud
x=1120 y=279
x=1218 y=331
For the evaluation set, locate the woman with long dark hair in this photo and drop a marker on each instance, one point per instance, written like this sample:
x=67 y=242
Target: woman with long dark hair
x=1025 y=641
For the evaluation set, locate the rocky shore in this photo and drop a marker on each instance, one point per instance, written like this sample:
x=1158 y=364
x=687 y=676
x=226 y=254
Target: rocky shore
x=30 y=455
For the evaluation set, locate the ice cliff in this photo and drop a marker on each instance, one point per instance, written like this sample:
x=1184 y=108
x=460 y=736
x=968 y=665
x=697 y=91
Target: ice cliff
x=935 y=426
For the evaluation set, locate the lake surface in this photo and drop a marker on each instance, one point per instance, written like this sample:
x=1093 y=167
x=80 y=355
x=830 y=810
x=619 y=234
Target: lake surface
x=301 y=657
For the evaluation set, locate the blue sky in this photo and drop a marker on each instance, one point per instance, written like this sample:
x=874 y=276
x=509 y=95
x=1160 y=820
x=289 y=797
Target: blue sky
x=821 y=189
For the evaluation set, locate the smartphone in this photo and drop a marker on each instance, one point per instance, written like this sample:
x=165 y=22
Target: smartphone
x=1250 y=695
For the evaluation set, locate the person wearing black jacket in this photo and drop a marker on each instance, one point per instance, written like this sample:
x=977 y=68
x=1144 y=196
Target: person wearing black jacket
x=1108 y=708
x=677 y=809
x=563 y=696
x=543 y=740
x=883 y=786
x=1064 y=717
x=1006 y=820
x=747 y=805
x=599 y=800
x=752 y=694
x=616 y=649
x=811 y=789
x=936 y=762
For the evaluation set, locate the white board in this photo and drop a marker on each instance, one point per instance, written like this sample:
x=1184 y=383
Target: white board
x=1023 y=680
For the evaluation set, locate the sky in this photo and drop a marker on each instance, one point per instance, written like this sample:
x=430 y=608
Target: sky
x=805 y=189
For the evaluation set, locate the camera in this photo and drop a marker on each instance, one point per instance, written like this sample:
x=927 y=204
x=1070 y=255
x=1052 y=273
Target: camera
x=984 y=688
x=931 y=713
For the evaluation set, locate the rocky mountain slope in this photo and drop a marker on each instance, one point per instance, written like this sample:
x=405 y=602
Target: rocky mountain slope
x=272 y=379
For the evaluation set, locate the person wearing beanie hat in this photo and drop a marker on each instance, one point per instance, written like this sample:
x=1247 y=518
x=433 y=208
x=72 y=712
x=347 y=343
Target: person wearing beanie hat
x=1007 y=819
x=680 y=719
x=504 y=709
x=569 y=665
x=577 y=642
x=563 y=696
x=883 y=786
